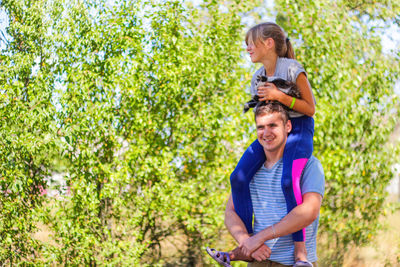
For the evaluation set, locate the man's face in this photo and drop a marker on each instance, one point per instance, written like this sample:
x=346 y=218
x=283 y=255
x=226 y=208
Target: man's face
x=272 y=131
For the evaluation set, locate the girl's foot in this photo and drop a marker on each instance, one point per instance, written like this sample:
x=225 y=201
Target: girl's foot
x=303 y=264
x=221 y=257
x=225 y=258
x=300 y=254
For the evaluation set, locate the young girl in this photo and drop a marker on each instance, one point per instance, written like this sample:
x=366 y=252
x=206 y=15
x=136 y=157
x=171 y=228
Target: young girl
x=267 y=44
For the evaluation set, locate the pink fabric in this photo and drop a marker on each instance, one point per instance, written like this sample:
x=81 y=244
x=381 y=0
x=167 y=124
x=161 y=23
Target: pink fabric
x=297 y=170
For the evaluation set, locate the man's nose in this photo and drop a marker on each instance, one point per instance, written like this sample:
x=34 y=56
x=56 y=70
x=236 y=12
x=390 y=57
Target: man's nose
x=266 y=132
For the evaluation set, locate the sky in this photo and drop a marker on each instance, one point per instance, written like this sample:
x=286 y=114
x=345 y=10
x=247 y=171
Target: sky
x=3 y=25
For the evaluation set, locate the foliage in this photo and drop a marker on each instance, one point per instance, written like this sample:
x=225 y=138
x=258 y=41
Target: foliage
x=141 y=101
x=180 y=120
x=147 y=106
x=353 y=80
x=27 y=130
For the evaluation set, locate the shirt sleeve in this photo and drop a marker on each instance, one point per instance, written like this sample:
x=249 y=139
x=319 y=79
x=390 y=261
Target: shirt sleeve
x=294 y=70
x=313 y=179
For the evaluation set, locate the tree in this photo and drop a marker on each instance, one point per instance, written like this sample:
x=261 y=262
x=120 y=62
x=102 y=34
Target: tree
x=179 y=122
x=146 y=107
x=27 y=130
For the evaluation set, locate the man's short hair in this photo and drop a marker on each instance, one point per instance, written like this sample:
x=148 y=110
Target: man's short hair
x=269 y=107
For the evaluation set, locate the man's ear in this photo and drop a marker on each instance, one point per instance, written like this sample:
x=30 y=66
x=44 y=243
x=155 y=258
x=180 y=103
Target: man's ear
x=288 y=126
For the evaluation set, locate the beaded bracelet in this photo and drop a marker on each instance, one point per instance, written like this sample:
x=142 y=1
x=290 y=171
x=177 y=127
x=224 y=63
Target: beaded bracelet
x=273 y=232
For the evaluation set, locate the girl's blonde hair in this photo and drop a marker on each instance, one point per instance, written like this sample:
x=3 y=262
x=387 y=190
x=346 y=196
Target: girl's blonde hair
x=263 y=31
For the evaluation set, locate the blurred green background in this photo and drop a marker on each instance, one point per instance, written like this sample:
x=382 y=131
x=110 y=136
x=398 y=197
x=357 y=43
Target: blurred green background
x=121 y=122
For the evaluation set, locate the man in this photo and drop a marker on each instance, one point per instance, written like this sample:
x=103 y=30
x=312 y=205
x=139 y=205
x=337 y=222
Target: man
x=272 y=244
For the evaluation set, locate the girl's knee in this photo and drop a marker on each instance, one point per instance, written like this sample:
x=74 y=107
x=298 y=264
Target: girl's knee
x=287 y=185
x=238 y=180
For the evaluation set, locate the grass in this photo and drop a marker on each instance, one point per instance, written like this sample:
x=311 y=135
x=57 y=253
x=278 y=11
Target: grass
x=382 y=251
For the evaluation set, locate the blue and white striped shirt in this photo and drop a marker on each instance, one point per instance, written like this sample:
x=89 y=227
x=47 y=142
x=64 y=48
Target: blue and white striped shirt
x=270 y=207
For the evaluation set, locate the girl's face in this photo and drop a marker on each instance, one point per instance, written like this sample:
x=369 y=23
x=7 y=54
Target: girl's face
x=259 y=50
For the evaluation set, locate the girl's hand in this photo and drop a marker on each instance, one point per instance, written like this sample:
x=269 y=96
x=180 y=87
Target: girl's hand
x=268 y=92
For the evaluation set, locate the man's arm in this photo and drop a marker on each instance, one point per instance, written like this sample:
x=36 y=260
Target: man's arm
x=234 y=224
x=238 y=230
x=297 y=219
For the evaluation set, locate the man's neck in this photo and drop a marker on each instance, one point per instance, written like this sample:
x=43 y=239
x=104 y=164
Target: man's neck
x=272 y=157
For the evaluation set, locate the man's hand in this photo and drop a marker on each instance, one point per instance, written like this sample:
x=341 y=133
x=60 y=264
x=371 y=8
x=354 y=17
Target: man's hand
x=249 y=245
x=262 y=253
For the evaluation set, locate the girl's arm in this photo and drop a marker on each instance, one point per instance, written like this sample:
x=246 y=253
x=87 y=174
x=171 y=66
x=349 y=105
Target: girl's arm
x=305 y=105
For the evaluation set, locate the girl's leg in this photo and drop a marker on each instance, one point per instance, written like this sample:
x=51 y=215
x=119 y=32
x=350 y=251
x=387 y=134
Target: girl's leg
x=298 y=150
x=252 y=159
